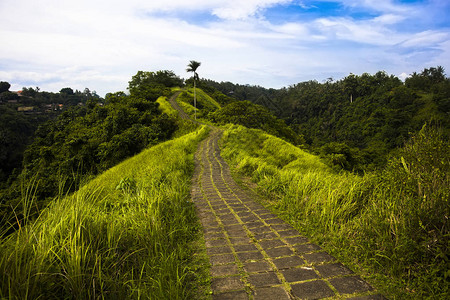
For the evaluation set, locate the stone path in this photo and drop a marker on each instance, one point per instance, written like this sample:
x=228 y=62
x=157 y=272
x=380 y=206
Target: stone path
x=253 y=253
x=174 y=104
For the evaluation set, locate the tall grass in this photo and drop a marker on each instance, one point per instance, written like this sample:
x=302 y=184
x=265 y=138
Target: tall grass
x=203 y=98
x=395 y=222
x=166 y=108
x=126 y=234
x=205 y=103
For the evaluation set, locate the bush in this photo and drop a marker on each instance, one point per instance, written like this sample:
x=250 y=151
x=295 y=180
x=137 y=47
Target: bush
x=406 y=228
x=255 y=116
x=394 y=222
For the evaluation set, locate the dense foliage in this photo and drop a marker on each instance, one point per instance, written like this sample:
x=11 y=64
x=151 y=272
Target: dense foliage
x=87 y=140
x=254 y=116
x=394 y=222
x=20 y=115
x=16 y=130
x=357 y=121
x=255 y=94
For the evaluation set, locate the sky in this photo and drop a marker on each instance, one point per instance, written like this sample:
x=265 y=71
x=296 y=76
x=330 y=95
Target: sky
x=101 y=44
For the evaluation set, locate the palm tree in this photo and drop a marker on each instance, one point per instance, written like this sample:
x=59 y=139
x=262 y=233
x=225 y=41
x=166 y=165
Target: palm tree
x=192 y=67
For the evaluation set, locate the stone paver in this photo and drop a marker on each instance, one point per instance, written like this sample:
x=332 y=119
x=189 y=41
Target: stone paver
x=253 y=253
x=221 y=284
x=236 y=295
x=312 y=290
x=271 y=293
x=350 y=285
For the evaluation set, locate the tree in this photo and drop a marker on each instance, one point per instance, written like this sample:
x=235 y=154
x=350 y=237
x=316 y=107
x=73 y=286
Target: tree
x=4 y=86
x=427 y=79
x=192 y=67
x=67 y=91
x=8 y=96
x=255 y=116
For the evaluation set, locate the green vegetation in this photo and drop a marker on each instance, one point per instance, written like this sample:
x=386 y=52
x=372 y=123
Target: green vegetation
x=16 y=130
x=254 y=116
x=21 y=113
x=166 y=108
x=126 y=234
x=356 y=122
x=205 y=104
x=79 y=218
x=87 y=140
x=394 y=222
x=235 y=112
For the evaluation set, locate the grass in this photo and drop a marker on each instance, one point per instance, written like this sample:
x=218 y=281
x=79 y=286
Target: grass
x=392 y=227
x=127 y=234
x=204 y=98
x=184 y=126
x=166 y=108
x=205 y=103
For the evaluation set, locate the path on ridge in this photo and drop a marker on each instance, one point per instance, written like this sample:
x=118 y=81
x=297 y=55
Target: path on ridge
x=173 y=102
x=253 y=253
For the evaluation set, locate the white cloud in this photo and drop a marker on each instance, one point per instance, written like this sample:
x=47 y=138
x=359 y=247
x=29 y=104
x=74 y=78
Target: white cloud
x=384 y=6
x=425 y=38
x=238 y=9
x=368 y=32
x=101 y=44
x=388 y=19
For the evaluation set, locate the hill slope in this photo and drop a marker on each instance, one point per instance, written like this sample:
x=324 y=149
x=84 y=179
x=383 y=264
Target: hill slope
x=125 y=234
x=393 y=224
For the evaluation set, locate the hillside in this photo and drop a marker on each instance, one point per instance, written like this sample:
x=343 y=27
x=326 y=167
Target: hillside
x=357 y=121
x=125 y=234
x=120 y=222
x=392 y=225
x=22 y=112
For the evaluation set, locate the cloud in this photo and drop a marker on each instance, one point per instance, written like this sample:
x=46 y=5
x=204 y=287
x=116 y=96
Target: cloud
x=382 y=6
x=424 y=38
x=376 y=31
x=237 y=9
x=101 y=44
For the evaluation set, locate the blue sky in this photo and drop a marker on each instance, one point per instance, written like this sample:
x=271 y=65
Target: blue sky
x=100 y=44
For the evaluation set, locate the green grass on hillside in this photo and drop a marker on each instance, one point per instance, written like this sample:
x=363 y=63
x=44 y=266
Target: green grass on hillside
x=166 y=108
x=126 y=234
x=203 y=98
x=184 y=126
x=393 y=227
x=301 y=183
x=205 y=104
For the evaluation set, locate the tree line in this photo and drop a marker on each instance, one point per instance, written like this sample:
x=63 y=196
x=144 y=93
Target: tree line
x=356 y=122
x=86 y=140
x=21 y=113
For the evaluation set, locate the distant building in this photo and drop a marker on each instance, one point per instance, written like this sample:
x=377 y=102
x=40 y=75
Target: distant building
x=25 y=108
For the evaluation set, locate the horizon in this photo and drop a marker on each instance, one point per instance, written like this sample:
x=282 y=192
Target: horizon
x=223 y=81
x=267 y=43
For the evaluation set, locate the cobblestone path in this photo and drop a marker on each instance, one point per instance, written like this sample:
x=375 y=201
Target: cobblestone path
x=254 y=254
x=174 y=104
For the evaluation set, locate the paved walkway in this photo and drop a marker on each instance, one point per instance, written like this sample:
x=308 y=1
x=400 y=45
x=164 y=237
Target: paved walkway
x=174 y=104
x=253 y=253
